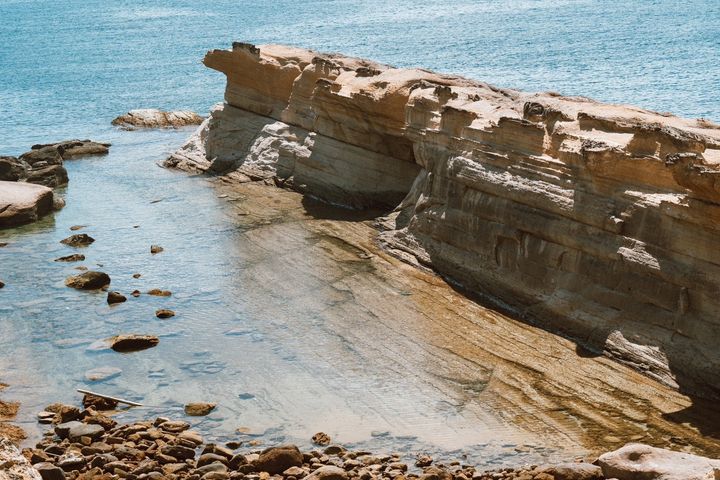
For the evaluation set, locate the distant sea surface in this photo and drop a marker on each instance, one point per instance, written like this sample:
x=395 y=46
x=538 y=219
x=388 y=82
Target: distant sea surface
x=67 y=68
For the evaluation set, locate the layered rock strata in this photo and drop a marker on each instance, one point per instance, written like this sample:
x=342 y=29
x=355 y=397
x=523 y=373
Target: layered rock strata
x=153 y=118
x=599 y=221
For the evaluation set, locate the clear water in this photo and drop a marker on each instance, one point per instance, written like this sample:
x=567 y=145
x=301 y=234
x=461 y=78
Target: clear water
x=252 y=339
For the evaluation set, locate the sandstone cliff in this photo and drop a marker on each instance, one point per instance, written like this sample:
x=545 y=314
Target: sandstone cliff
x=599 y=221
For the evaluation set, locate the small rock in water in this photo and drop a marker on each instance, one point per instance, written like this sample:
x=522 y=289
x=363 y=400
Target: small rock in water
x=78 y=240
x=321 y=438
x=156 y=249
x=135 y=293
x=102 y=373
x=136 y=275
x=45 y=417
x=199 y=409
x=133 y=343
x=90 y=280
x=423 y=461
x=82 y=268
x=77 y=227
x=115 y=297
x=159 y=293
x=2 y=284
x=164 y=313
x=75 y=257
x=3 y=244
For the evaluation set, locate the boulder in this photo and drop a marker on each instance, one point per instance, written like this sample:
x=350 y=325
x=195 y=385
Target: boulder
x=115 y=297
x=90 y=280
x=276 y=460
x=78 y=240
x=636 y=461
x=153 y=118
x=13 y=465
x=199 y=409
x=133 y=343
x=22 y=203
x=321 y=438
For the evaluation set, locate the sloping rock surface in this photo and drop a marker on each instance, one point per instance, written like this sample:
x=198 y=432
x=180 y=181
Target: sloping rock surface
x=600 y=221
x=22 y=203
x=152 y=118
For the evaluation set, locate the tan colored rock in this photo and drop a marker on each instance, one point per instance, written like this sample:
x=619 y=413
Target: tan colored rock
x=69 y=149
x=90 y=280
x=199 y=409
x=643 y=462
x=600 y=221
x=22 y=203
x=13 y=465
x=153 y=118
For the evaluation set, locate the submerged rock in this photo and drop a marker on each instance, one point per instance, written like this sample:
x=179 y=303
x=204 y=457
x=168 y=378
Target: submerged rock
x=90 y=280
x=22 y=203
x=153 y=118
x=75 y=148
x=75 y=257
x=643 y=462
x=164 y=313
x=132 y=342
x=159 y=293
x=78 y=240
x=321 y=438
x=199 y=409
x=102 y=373
x=156 y=249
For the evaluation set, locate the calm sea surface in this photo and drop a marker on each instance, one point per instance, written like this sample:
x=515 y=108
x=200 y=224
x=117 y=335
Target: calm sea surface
x=68 y=67
x=264 y=325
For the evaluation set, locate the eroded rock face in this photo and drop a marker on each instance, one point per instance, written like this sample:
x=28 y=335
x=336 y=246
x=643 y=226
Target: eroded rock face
x=13 y=465
x=600 y=221
x=643 y=462
x=22 y=203
x=153 y=118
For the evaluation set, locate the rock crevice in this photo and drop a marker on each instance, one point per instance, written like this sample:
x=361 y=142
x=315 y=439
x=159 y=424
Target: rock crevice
x=599 y=221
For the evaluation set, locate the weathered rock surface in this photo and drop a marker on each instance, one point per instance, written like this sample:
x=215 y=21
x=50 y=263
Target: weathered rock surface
x=90 y=280
x=153 y=118
x=13 y=465
x=115 y=297
x=643 y=462
x=600 y=221
x=276 y=460
x=22 y=203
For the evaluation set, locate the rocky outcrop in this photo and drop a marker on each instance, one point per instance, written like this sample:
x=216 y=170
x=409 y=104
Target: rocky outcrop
x=643 y=462
x=152 y=118
x=599 y=221
x=13 y=465
x=22 y=203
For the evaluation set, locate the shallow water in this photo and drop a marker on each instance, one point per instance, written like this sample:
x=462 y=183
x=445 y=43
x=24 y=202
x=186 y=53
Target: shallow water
x=268 y=324
x=286 y=325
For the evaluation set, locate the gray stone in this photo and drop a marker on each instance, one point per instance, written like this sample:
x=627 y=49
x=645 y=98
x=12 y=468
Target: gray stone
x=636 y=461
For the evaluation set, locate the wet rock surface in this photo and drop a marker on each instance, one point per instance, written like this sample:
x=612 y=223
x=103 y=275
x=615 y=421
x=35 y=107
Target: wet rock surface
x=153 y=118
x=132 y=342
x=78 y=240
x=90 y=280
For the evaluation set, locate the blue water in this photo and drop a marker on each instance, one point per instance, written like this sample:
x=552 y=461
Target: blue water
x=67 y=68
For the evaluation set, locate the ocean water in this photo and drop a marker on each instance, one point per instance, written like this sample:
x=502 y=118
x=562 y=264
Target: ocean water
x=67 y=68
x=286 y=338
